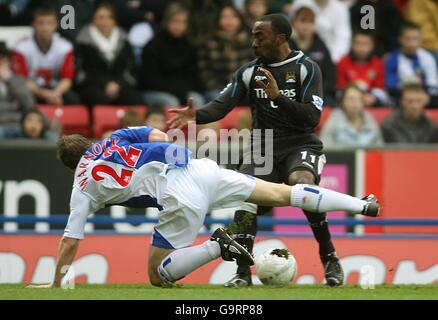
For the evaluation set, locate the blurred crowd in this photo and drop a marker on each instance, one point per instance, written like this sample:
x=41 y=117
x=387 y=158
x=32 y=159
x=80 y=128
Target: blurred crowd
x=159 y=52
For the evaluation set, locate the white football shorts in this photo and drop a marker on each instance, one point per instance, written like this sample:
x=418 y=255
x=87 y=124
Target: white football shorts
x=191 y=192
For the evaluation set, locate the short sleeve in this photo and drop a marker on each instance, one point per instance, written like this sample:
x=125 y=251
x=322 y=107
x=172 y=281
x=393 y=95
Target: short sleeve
x=134 y=134
x=80 y=208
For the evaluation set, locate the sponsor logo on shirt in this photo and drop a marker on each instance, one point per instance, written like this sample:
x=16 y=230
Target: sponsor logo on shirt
x=261 y=94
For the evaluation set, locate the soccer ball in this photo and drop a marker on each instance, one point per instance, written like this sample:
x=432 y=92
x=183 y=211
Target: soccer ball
x=276 y=267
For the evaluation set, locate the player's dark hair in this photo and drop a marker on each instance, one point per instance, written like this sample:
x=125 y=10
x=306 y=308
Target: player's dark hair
x=279 y=24
x=44 y=11
x=71 y=148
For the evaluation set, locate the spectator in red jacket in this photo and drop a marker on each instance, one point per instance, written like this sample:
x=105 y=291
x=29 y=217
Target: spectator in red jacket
x=47 y=61
x=365 y=69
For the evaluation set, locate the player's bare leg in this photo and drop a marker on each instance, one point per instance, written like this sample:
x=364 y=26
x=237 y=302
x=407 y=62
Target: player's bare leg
x=166 y=266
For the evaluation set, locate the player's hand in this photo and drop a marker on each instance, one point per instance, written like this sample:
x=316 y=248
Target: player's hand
x=182 y=116
x=41 y=286
x=270 y=87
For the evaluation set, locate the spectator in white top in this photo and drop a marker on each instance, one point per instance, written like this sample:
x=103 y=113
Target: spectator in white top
x=47 y=61
x=333 y=26
x=350 y=124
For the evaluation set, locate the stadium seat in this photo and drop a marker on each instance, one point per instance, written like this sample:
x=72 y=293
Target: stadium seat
x=10 y=35
x=433 y=113
x=107 y=117
x=324 y=116
x=73 y=118
x=231 y=120
x=380 y=113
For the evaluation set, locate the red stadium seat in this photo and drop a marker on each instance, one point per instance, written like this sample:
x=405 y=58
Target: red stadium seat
x=380 y=113
x=433 y=113
x=107 y=117
x=231 y=120
x=73 y=118
x=324 y=116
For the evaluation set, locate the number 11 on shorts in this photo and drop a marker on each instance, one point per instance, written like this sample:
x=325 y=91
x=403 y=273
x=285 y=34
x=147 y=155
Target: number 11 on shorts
x=304 y=157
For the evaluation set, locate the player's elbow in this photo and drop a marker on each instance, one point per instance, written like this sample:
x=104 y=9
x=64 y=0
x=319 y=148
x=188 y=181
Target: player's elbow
x=313 y=118
x=158 y=136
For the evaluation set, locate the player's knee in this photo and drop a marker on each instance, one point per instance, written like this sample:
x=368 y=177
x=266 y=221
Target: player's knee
x=301 y=177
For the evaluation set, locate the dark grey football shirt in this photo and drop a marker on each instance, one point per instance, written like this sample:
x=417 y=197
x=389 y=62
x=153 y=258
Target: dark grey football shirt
x=293 y=115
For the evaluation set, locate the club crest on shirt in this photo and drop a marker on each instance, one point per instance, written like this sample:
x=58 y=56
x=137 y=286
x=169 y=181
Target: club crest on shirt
x=290 y=77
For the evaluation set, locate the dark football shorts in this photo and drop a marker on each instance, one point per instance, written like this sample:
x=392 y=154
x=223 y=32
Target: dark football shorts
x=282 y=161
x=283 y=165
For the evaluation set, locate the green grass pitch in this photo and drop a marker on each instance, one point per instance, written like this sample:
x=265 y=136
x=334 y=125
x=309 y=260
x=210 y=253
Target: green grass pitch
x=216 y=292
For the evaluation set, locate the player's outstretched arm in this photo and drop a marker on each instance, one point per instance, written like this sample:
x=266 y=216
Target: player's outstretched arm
x=66 y=253
x=182 y=116
x=69 y=243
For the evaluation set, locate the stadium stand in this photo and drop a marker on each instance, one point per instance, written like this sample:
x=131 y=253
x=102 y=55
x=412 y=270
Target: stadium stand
x=433 y=113
x=76 y=118
x=380 y=113
x=107 y=117
x=10 y=35
x=232 y=119
x=324 y=116
x=73 y=118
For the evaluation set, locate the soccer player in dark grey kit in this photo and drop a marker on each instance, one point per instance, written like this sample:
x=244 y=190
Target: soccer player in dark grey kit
x=284 y=89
